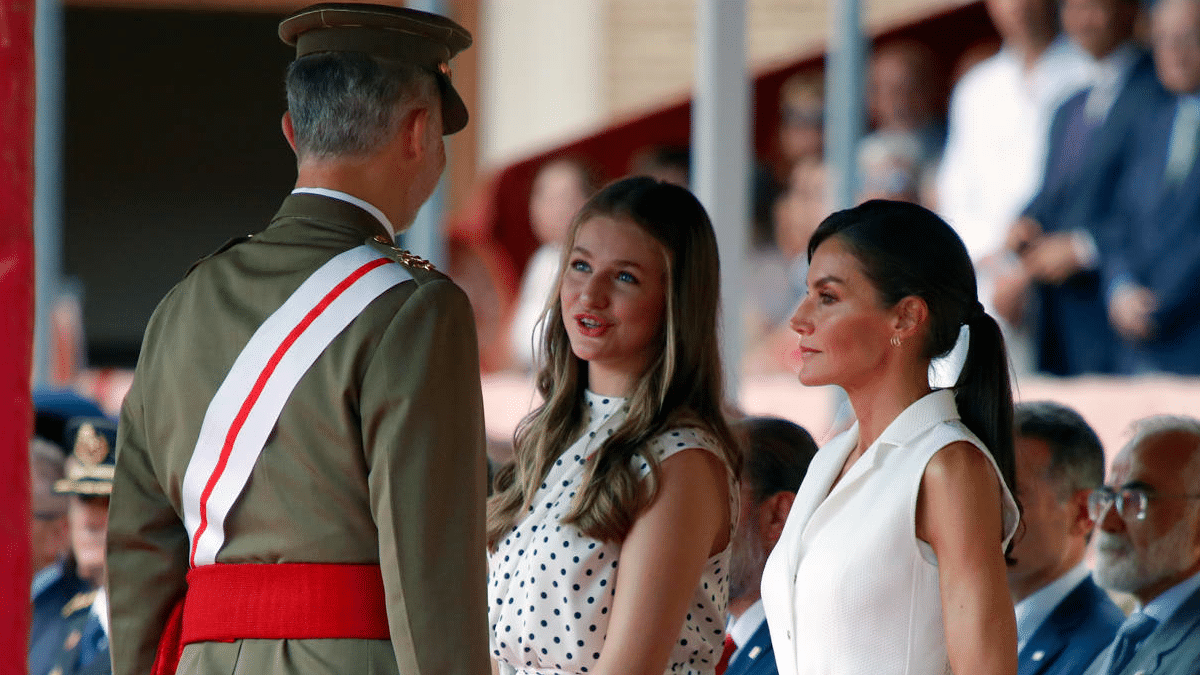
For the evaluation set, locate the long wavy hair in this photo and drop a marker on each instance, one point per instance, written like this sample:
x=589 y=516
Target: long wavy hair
x=681 y=386
x=906 y=249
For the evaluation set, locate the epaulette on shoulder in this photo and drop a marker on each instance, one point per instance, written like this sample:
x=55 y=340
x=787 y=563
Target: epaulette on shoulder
x=409 y=260
x=224 y=247
x=80 y=602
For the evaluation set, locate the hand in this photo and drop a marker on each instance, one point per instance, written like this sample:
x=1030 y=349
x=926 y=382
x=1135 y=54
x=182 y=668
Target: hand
x=1011 y=294
x=1023 y=233
x=1130 y=310
x=1052 y=259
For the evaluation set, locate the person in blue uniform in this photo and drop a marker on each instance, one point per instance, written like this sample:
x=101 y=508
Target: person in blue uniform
x=55 y=581
x=87 y=484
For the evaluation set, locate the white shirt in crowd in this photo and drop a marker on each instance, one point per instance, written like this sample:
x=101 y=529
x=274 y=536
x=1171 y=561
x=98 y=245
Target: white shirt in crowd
x=995 y=154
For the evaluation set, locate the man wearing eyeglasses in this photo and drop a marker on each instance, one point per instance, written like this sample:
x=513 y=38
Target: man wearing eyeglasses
x=1148 y=545
x=1063 y=618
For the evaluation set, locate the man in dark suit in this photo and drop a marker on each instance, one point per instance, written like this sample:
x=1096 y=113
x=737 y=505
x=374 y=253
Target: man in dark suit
x=1057 y=233
x=1151 y=260
x=1148 y=544
x=1063 y=618
x=776 y=459
x=301 y=454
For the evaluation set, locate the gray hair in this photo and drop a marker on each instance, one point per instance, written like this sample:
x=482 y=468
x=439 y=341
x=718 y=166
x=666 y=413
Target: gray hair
x=1076 y=454
x=1159 y=425
x=347 y=104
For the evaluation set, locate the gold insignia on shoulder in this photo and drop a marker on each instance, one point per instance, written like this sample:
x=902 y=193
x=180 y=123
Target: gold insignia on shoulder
x=383 y=240
x=81 y=601
x=414 y=260
x=72 y=640
x=90 y=447
x=56 y=671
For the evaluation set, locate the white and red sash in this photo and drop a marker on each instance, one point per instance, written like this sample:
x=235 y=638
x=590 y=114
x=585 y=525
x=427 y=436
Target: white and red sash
x=244 y=410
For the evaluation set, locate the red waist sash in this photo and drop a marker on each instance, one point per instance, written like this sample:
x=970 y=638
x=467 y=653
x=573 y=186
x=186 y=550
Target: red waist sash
x=276 y=602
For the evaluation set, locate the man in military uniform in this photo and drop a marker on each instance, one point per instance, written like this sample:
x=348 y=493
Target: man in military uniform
x=88 y=484
x=300 y=467
x=55 y=579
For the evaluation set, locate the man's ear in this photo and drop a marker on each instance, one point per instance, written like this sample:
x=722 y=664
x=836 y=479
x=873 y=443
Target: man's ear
x=1081 y=521
x=288 y=131
x=773 y=516
x=415 y=129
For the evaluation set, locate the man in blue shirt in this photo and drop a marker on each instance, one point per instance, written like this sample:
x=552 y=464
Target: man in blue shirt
x=1063 y=618
x=1148 y=544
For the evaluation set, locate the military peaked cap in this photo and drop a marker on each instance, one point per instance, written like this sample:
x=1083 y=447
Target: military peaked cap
x=89 y=468
x=400 y=34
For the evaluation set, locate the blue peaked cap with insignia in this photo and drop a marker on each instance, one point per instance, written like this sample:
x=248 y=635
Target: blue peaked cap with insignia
x=89 y=468
x=53 y=408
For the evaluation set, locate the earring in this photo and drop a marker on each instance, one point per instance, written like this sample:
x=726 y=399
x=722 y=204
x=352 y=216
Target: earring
x=895 y=340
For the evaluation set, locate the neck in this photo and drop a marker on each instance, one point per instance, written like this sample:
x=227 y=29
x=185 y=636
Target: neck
x=1026 y=585
x=738 y=606
x=613 y=380
x=881 y=400
x=1107 y=53
x=1031 y=47
x=1149 y=593
x=365 y=178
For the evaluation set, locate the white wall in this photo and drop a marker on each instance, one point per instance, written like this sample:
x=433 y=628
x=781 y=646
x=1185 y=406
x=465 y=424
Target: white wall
x=542 y=69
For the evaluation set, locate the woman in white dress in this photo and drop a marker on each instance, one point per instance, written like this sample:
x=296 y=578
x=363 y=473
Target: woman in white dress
x=628 y=462
x=893 y=556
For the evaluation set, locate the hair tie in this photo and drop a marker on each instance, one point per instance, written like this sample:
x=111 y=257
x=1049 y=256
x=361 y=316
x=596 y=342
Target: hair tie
x=975 y=313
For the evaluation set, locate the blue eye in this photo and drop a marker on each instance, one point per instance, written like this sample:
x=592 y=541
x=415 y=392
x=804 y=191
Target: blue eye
x=580 y=266
x=826 y=298
x=627 y=277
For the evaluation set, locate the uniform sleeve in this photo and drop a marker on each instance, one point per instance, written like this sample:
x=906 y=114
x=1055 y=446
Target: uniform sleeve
x=147 y=548
x=422 y=414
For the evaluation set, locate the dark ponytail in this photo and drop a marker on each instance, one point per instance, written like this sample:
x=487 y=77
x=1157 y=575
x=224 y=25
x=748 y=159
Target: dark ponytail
x=983 y=393
x=907 y=250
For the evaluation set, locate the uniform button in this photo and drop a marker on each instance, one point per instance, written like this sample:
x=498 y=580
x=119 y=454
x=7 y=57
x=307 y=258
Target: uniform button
x=1038 y=655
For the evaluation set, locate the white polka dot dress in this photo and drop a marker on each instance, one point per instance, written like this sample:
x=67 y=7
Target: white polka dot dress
x=551 y=587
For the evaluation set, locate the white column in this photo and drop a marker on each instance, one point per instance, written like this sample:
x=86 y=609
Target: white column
x=425 y=238
x=721 y=157
x=845 y=100
x=542 y=75
x=48 y=177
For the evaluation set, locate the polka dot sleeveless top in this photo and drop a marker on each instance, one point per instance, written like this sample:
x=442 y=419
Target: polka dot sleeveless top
x=550 y=586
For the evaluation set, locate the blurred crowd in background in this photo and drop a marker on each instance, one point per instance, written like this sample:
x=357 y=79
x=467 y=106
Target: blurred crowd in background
x=1057 y=155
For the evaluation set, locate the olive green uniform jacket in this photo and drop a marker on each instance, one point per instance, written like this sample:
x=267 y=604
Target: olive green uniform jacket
x=377 y=456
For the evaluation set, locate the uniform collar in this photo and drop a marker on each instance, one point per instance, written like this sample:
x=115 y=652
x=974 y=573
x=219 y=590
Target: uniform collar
x=346 y=197
x=332 y=213
x=45 y=578
x=100 y=608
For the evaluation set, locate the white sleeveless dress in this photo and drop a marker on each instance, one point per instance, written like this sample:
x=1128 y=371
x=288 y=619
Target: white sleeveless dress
x=550 y=586
x=849 y=589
